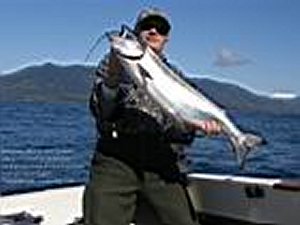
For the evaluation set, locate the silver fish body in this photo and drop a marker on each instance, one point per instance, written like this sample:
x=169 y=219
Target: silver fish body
x=175 y=95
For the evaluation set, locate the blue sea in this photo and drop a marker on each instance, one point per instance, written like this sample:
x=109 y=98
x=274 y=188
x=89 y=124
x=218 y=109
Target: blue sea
x=44 y=145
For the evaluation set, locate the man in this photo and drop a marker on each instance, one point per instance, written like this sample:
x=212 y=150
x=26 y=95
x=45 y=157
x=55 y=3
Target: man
x=136 y=155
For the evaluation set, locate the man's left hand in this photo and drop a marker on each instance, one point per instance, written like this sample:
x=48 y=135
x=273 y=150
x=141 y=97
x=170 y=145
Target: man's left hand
x=209 y=127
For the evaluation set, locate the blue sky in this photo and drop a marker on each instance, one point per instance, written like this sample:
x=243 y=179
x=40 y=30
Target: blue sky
x=255 y=43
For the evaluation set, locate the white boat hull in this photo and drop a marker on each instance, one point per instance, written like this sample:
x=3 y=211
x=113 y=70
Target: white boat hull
x=255 y=200
x=218 y=197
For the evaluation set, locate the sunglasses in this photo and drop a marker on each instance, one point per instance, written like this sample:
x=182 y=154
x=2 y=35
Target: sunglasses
x=161 y=25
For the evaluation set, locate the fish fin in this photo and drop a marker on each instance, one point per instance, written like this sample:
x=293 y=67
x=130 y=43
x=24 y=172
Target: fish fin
x=145 y=73
x=148 y=75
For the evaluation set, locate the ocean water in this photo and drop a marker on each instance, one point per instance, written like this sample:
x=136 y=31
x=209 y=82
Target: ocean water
x=44 y=145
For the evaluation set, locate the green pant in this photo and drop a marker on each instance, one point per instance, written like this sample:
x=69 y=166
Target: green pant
x=111 y=196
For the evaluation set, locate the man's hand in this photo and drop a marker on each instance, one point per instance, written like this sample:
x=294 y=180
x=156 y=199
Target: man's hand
x=209 y=127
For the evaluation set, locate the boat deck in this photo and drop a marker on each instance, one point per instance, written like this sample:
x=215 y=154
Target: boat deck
x=218 y=199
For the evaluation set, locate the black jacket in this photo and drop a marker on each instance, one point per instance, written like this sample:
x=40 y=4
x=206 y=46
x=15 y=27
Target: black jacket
x=135 y=129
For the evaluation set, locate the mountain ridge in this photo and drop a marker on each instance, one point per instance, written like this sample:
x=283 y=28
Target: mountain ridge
x=72 y=84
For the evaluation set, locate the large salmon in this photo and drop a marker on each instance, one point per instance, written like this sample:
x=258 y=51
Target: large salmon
x=176 y=95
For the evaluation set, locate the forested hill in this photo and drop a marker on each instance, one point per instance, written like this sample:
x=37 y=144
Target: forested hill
x=62 y=84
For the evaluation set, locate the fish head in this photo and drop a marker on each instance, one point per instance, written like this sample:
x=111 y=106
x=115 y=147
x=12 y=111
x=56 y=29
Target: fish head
x=125 y=47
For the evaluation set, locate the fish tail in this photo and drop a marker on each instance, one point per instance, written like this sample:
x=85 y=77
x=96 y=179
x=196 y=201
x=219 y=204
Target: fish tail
x=244 y=144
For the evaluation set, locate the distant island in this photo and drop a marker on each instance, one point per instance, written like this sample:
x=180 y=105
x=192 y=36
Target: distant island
x=51 y=83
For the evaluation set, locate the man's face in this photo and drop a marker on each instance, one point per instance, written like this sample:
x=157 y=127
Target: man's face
x=154 y=32
x=153 y=39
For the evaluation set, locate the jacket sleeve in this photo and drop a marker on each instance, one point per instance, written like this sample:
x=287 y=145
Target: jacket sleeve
x=178 y=135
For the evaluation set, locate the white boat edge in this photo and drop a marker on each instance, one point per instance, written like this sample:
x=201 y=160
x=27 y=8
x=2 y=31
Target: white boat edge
x=228 y=197
x=250 y=199
x=57 y=206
